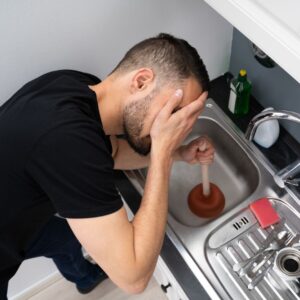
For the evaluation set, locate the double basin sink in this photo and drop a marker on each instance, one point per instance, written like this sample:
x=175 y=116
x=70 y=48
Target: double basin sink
x=211 y=246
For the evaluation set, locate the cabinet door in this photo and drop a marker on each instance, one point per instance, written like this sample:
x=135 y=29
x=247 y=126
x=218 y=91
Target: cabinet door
x=167 y=282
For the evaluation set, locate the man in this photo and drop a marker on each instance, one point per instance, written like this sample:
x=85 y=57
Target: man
x=59 y=149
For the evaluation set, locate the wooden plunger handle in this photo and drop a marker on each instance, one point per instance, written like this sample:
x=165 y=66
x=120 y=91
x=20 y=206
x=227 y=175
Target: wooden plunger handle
x=205 y=180
x=205 y=176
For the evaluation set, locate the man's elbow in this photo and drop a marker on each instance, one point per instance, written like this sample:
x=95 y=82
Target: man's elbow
x=137 y=287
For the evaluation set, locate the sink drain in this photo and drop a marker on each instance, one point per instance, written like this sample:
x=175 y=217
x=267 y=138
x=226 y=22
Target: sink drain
x=287 y=263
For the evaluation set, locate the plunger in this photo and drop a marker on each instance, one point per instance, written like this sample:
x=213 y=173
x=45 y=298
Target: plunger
x=206 y=200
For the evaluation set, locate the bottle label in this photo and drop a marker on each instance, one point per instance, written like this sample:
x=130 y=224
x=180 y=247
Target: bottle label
x=232 y=98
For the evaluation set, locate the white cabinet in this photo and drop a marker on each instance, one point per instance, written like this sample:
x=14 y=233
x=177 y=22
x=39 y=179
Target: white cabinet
x=274 y=26
x=167 y=281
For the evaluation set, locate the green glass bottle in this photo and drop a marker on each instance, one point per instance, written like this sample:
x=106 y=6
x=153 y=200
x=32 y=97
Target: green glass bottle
x=240 y=89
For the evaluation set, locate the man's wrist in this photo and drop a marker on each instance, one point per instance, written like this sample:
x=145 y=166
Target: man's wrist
x=161 y=158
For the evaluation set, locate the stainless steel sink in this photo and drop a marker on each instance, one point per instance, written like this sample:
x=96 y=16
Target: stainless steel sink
x=243 y=175
x=233 y=171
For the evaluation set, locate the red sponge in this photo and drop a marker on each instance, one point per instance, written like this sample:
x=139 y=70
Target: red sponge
x=264 y=212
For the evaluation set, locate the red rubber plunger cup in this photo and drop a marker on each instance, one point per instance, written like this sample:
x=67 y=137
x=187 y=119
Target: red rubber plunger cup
x=206 y=200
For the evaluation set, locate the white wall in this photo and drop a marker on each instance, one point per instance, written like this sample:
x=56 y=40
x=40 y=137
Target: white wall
x=37 y=36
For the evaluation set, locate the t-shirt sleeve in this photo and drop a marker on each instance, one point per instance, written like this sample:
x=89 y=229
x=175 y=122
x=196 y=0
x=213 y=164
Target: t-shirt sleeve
x=73 y=166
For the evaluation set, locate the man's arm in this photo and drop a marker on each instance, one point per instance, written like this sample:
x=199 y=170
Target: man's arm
x=126 y=158
x=128 y=251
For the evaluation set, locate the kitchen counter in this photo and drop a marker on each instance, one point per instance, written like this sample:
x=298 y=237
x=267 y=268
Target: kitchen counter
x=283 y=152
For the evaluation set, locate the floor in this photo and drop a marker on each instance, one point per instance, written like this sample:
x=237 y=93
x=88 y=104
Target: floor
x=64 y=290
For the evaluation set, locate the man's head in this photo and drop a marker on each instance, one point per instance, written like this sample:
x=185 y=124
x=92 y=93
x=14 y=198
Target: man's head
x=155 y=68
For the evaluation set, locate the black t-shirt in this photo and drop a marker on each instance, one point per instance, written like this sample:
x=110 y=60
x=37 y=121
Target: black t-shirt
x=54 y=158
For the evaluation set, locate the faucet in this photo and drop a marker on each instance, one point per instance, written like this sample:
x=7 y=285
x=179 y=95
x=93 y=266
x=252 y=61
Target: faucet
x=269 y=115
x=284 y=176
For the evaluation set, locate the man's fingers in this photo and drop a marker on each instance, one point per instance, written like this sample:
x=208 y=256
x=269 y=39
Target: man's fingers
x=197 y=105
x=172 y=103
x=206 y=162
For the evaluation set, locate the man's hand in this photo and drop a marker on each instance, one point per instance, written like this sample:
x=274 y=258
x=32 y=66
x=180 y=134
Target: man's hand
x=193 y=153
x=170 y=129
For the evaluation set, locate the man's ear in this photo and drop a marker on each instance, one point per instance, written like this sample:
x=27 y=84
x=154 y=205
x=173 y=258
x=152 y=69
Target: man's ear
x=141 y=80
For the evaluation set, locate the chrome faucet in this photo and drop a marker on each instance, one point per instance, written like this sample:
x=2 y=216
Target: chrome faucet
x=285 y=176
x=269 y=115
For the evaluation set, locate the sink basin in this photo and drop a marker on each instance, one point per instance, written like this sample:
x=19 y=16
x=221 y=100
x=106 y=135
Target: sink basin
x=244 y=175
x=232 y=171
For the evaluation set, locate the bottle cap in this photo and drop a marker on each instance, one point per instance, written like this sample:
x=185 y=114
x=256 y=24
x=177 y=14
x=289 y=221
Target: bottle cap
x=243 y=72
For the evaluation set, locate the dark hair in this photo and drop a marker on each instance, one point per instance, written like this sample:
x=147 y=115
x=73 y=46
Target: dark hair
x=171 y=58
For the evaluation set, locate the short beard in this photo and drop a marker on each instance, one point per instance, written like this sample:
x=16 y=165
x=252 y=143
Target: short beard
x=133 y=123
